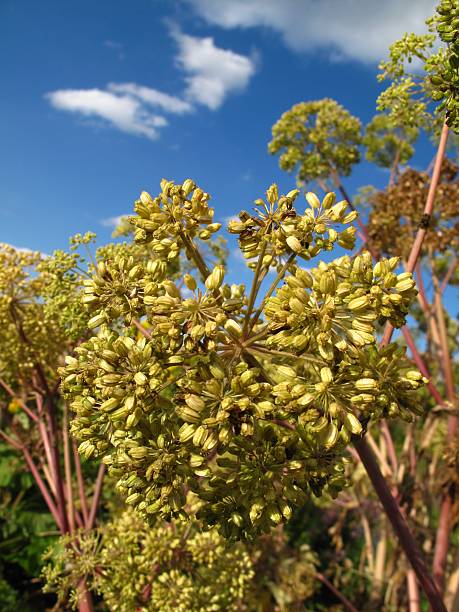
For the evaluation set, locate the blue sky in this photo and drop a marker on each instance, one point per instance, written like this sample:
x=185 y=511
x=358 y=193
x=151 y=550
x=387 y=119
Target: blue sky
x=100 y=100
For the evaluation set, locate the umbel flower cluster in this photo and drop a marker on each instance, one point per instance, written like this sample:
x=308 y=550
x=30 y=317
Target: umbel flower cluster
x=446 y=82
x=248 y=400
x=177 y=566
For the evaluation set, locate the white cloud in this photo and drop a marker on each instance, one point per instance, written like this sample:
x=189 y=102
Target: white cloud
x=212 y=72
x=152 y=97
x=22 y=249
x=121 y=111
x=112 y=222
x=16 y=248
x=353 y=29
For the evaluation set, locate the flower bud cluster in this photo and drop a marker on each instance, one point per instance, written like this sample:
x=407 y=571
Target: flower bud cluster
x=336 y=306
x=163 y=220
x=445 y=82
x=40 y=314
x=336 y=402
x=278 y=229
x=250 y=415
x=115 y=290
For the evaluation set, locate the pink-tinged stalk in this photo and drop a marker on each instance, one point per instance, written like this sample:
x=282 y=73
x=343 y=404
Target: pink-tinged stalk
x=389 y=503
x=21 y=403
x=85 y=599
x=421 y=365
x=414 y=600
x=68 y=472
x=44 y=491
x=80 y=480
x=424 y=223
x=50 y=409
x=96 y=497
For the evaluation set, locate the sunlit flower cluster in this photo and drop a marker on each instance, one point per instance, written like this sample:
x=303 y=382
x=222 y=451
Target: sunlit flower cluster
x=247 y=400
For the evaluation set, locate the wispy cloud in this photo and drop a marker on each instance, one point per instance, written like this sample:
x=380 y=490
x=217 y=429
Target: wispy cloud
x=123 y=112
x=351 y=29
x=210 y=75
x=23 y=249
x=152 y=97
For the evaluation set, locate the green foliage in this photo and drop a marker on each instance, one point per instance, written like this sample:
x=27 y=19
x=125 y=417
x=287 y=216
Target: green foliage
x=251 y=415
x=316 y=139
x=410 y=97
x=25 y=528
x=8 y=596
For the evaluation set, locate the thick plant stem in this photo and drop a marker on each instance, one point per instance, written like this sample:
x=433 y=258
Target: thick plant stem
x=424 y=223
x=85 y=599
x=400 y=526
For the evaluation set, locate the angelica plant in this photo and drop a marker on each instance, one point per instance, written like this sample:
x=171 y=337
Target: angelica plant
x=41 y=319
x=317 y=139
x=247 y=400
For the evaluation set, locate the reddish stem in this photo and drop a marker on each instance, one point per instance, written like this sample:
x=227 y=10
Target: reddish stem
x=142 y=329
x=96 y=497
x=421 y=365
x=424 y=224
x=23 y=405
x=414 y=601
x=10 y=440
x=68 y=472
x=50 y=408
x=45 y=439
x=85 y=599
x=44 y=491
x=82 y=494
